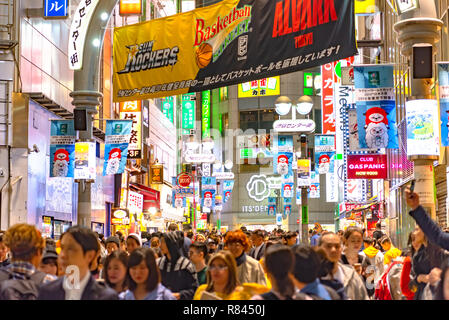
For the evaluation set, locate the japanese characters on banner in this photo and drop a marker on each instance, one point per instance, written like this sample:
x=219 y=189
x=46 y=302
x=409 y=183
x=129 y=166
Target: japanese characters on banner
x=56 y=8
x=78 y=30
x=324 y=153
x=327 y=98
x=376 y=109
x=188 y=112
x=332 y=187
x=282 y=164
x=181 y=193
x=303 y=173
x=209 y=190
x=133 y=111
x=422 y=127
x=443 y=90
x=353 y=131
x=117 y=137
x=62 y=148
x=261 y=87
x=228 y=185
x=221 y=45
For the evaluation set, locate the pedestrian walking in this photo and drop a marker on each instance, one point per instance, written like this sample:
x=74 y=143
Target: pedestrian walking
x=112 y=244
x=115 y=271
x=279 y=263
x=222 y=281
x=144 y=278
x=198 y=255
x=353 y=239
x=20 y=280
x=378 y=234
x=49 y=262
x=391 y=252
x=249 y=269
x=376 y=259
x=79 y=249
x=178 y=274
x=133 y=241
x=258 y=250
x=290 y=238
x=351 y=280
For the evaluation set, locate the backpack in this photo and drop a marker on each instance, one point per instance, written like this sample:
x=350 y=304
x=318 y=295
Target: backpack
x=382 y=291
x=20 y=289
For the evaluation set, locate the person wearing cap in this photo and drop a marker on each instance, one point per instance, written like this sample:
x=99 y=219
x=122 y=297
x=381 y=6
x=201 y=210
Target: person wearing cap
x=49 y=262
x=133 y=242
x=112 y=244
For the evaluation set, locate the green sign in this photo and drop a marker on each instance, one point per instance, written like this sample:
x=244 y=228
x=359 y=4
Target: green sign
x=167 y=108
x=246 y=153
x=206 y=113
x=305 y=214
x=308 y=83
x=188 y=112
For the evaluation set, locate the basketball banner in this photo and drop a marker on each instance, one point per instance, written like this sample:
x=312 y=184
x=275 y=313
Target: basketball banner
x=231 y=42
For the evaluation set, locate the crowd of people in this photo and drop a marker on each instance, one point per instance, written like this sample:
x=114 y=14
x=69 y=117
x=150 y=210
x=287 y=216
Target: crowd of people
x=238 y=265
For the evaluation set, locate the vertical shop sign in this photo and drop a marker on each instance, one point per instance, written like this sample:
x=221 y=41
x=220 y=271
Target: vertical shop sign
x=331 y=187
x=56 y=8
x=117 y=137
x=376 y=107
x=443 y=92
x=167 y=108
x=206 y=113
x=327 y=98
x=188 y=112
x=132 y=110
x=62 y=148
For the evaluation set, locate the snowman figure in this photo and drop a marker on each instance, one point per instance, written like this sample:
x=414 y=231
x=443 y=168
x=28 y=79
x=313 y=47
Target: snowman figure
x=178 y=202
x=287 y=191
x=208 y=199
x=61 y=163
x=323 y=164
x=115 y=156
x=376 y=128
x=282 y=165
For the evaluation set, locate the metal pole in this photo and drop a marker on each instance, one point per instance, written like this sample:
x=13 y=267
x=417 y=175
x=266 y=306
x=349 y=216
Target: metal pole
x=304 y=206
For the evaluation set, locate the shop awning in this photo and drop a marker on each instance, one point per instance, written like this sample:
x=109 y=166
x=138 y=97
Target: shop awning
x=151 y=197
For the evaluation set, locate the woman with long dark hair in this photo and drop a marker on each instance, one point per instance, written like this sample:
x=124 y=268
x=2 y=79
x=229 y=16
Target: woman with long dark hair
x=144 y=278
x=115 y=270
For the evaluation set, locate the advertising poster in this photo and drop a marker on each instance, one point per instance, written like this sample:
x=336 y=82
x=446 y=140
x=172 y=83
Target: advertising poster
x=324 y=153
x=62 y=148
x=271 y=209
x=327 y=98
x=369 y=166
x=422 y=127
x=85 y=160
x=287 y=190
x=443 y=90
x=285 y=143
x=314 y=190
x=228 y=43
x=118 y=133
x=376 y=108
x=261 y=87
x=282 y=163
x=304 y=173
x=209 y=190
x=132 y=110
x=287 y=210
x=353 y=130
x=228 y=185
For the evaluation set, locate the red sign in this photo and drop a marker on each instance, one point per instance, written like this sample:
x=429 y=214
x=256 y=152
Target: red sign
x=297 y=221
x=327 y=98
x=184 y=180
x=367 y=166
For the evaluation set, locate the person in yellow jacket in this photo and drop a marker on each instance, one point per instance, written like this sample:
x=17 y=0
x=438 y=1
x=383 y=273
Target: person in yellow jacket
x=391 y=252
x=222 y=281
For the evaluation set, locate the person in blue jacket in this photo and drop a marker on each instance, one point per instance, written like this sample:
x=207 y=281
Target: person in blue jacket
x=430 y=228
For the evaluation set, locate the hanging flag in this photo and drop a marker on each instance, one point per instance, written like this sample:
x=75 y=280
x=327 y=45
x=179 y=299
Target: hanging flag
x=443 y=89
x=62 y=148
x=324 y=153
x=209 y=190
x=118 y=133
x=287 y=190
x=228 y=185
x=271 y=209
x=376 y=108
x=287 y=210
x=282 y=163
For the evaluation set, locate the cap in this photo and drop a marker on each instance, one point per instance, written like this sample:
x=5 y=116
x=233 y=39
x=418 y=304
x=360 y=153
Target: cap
x=50 y=252
x=113 y=239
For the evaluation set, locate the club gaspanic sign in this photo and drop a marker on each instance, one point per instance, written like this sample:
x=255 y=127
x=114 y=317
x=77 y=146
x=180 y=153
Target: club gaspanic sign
x=369 y=166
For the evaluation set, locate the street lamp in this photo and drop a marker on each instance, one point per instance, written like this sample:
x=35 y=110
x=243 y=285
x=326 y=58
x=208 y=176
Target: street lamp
x=283 y=105
x=304 y=105
x=228 y=164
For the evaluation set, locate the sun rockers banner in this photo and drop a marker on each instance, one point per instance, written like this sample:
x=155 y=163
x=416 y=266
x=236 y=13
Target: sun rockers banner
x=118 y=133
x=228 y=43
x=62 y=148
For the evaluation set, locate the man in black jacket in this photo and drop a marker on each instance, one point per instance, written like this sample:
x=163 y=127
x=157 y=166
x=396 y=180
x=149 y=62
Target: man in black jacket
x=79 y=248
x=430 y=228
x=258 y=251
x=177 y=272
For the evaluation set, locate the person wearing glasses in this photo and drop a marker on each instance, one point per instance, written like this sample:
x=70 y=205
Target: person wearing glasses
x=222 y=281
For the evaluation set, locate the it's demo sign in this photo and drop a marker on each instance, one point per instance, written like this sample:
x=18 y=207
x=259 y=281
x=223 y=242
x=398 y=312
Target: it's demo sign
x=372 y=166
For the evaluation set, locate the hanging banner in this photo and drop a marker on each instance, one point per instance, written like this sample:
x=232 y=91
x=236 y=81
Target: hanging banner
x=422 y=127
x=284 y=143
x=228 y=43
x=188 y=104
x=376 y=108
x=287 y=190
x=324 y=153
x=228 y=185
x=133 y=111
x=167 y=108
x=365 y=6
x=443 y=92
x=327 y=99
x=287 y=210
x=85 y=160
x=282 y=163
x=271 y=209
x=209 y=190
x=62 y=148
x=314 y=190
x=303 y=173
x=331 y=187
x=118 y=133
x=206 y=117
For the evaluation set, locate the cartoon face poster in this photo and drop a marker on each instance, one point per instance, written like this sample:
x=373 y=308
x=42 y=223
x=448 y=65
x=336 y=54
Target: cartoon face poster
x=282 y=163
x=376 y=112
x=118 y=133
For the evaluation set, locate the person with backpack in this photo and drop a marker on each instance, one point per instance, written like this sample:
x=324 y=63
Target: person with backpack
x=79 y=248
x=20 y=280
